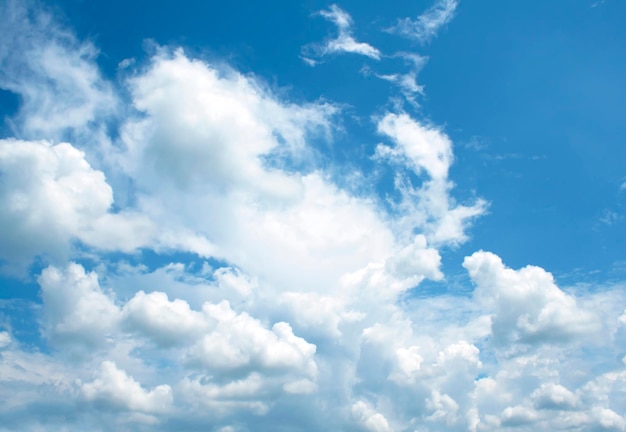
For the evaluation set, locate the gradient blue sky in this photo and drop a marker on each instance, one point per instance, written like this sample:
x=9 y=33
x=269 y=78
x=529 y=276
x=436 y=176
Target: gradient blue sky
x=266 y=154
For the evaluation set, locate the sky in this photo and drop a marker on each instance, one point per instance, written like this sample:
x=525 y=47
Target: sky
x=311 y=216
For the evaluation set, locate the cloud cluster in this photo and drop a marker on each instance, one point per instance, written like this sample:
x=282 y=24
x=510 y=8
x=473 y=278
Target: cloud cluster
x=423 y=29
x=280 y=300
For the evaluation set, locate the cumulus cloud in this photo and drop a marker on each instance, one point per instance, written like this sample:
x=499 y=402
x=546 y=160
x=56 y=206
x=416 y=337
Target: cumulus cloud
x=273 y=222
x=554 y=396
x=54 y=197
x=76 y=309
x=211 y=127
x=369 y=419
x=426 y=151
x=112 y=388
x=161 y=320
x=527 y=305
x=240 y=341
x=343 y=43
x=426 y=26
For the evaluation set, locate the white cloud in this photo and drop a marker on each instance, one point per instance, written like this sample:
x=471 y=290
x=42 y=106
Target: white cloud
x=300 y=305
x=610 y=217
x=343 y=43
x=554 y=396
x=61 y=199
x=206 y=127
x=274 y=223
x=76 y=309
x=607 y=419
x=238 y=341
x=527 y=305
x=54 y=196
x=415 y=261
x=443 y=407
x=55 y=75
x=166 y=322
x=427 y=25
x=242 y=395
x=113 y=388
x=518 y=416
x=426 y=151
x=369 y=419
x=5 y=339
x=407 y=82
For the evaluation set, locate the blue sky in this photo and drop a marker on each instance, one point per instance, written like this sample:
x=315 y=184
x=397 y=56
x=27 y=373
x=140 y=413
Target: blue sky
x=538 y=86
x=312 y=216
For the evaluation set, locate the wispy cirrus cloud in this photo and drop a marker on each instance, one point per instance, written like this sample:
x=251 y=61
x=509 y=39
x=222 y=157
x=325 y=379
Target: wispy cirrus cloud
x=54 y=73
x=426 y=26
x=407 y=82
x=344 y=42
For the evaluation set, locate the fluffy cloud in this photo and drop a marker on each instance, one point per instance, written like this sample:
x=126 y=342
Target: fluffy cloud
x=527 y=305
x=426 y=151
x=166 y=322
x=274 y=223
x=53 y=196
x=369 y=419
x=240 y=341
x=554 y=396
x=285 y=301
x=114 y=389
x=76 y=309
x=213 y=127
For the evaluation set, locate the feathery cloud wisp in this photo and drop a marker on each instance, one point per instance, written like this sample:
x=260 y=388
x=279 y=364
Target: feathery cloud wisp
x=344 y=42
x=426 y=26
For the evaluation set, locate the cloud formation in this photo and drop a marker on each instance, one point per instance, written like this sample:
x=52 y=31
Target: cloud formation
x=239 y=286
x=344 y=42
x=426 y=26
x=61 y=88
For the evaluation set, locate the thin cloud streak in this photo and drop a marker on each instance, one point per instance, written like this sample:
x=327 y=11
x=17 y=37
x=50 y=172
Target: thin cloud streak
x=343 y=43
x=426 y=26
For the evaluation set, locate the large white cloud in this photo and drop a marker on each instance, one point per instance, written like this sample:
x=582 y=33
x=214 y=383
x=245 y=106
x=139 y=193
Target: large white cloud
x=527 y=305
x=53 y=197
x=76 y=309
